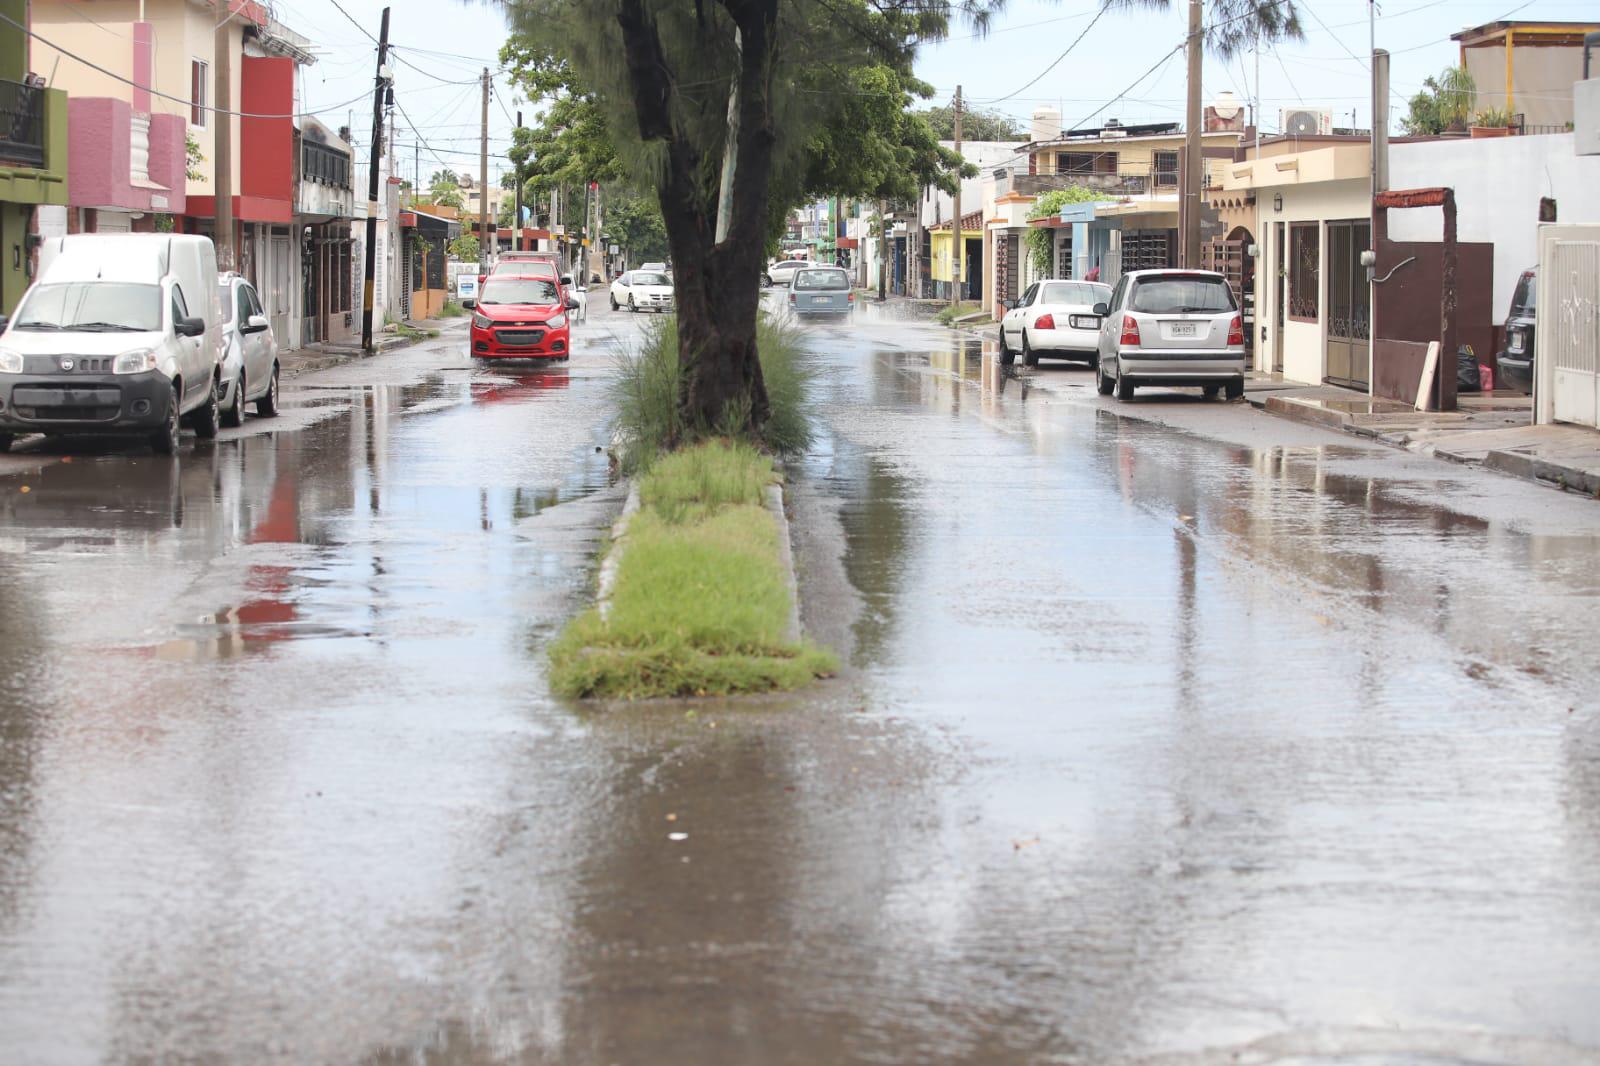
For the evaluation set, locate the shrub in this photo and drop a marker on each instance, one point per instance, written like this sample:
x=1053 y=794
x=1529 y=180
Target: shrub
x=645 y=394
x=947 y=316
x=452 y=309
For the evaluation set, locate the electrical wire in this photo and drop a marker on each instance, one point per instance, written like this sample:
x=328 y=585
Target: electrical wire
x=1056 y=62
x=168 y=96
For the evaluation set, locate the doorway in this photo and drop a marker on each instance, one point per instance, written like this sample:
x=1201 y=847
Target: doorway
x=1348 y=348
x=1280 y=283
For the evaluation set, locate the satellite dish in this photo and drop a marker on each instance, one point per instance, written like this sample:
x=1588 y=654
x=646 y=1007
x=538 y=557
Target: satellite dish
x=1226 y=106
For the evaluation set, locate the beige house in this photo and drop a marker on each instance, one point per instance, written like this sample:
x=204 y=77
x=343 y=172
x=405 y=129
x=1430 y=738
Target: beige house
x=1312 y=200
x=1526 y=69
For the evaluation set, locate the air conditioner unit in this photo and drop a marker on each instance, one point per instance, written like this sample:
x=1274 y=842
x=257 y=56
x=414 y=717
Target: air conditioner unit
x=1306 y=121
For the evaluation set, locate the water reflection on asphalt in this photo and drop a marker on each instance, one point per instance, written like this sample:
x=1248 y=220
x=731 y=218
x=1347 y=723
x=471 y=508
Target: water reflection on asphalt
x=1150 y=743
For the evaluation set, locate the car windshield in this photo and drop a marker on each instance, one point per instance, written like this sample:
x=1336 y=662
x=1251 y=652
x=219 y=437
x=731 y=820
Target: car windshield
x=519 y=291
x=822 y=279
x=651 y=279
x=1182 y=294
x=541 y=269
x=1074 y=292
x=92 y=307
x=1526 y=296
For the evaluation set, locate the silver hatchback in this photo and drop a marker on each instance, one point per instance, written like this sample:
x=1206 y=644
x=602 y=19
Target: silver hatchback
x=1171 y=327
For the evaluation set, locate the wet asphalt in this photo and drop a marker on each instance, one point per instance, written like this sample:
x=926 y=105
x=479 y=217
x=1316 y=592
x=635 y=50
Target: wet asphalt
x=1169 y=733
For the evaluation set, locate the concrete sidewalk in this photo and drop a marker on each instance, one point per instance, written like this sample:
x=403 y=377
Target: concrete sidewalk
x=322 y=355
x=1493 y=430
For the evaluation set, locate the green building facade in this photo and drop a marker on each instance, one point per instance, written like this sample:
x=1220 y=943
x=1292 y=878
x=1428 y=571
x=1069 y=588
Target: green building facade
x=33 y=154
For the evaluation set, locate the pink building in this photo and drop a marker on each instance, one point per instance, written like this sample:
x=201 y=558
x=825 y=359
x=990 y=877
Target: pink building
x=129 y=167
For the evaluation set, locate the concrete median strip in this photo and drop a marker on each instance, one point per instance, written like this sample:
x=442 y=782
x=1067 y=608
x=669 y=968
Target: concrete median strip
x=697 y=590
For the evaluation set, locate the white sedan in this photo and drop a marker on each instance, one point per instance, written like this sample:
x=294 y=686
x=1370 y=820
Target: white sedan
x=642 y=290
x=1056 y=319
x=579 y=293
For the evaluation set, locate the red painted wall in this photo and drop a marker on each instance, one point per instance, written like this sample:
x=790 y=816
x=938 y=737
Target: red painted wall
x=266 y=145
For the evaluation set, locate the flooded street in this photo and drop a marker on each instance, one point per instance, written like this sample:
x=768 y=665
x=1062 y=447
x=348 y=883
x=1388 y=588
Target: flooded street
x=1168 y=733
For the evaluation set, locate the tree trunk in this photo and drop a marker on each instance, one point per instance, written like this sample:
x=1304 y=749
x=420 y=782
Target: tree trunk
x=717 y=285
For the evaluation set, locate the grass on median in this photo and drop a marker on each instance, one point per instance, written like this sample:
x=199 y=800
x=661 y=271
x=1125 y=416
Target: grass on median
x=701 y=601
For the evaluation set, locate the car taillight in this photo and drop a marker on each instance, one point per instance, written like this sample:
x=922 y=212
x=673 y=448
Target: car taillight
x=1130 y=331
x=850 y=297
x=791 y=297
x=1045 y=322
x=1236 y=331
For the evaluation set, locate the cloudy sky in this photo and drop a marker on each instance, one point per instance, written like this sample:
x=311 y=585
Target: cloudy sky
x=442 y=46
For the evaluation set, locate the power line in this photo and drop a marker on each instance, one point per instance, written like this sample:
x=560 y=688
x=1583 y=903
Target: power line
x=1056 y=62
x=168 y=96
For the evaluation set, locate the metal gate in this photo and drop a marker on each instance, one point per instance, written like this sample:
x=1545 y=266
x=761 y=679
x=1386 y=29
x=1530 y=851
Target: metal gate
x=1567 y=327
x=1349 y=343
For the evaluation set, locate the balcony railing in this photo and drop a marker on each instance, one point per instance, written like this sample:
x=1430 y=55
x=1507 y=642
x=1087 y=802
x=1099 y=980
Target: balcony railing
x=21 y=124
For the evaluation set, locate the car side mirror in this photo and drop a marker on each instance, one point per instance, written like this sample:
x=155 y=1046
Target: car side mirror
x=189 y=327
x=572 y=305
x=566 y=279
x=1009 y=305
x=1102 y=309
x=255 y=324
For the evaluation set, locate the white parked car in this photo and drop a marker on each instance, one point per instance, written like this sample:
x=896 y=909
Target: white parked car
x=250 y=353
x=642 y=290
x=580 y=296
x=781 y=272
x=122 y=334
x=1171 y=327
x=1053 y=318
x=660 y=268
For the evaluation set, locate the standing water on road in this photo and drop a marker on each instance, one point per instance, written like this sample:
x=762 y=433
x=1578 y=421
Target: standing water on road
x=1166 y=735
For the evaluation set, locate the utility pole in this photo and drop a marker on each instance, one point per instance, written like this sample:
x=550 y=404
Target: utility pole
x=1193 y=162
x=957 y=245
x=483 y=182
x=380 y=83
x=516 y=178
x=222 y=146
x=883 y=250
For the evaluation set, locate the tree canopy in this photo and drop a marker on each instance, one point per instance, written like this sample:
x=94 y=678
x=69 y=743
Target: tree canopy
x=1444 y=103
x=976 y=124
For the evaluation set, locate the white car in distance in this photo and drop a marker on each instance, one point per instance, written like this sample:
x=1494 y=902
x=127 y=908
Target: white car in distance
x=580 y=294
x=642 y=290
x=1053 y=318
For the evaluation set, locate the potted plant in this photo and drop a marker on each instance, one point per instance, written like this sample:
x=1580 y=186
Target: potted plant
x=1493 y=122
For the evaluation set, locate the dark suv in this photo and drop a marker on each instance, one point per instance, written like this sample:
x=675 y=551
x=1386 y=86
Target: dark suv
x=1516 y=358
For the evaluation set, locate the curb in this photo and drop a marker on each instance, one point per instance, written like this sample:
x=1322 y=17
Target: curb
x=613 y=559
x=786 y=554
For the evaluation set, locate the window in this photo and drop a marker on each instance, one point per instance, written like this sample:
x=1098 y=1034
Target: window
x=90 y=307
x=1305 y=270
x=821 y=279
x=1117 y=294
x=1182 y=294
x=199 y=79
x=1027 y=297
x=243 y=302
x=1166 y=167
x=1073 y=292
x=1086 y=162
x=518 y=291
x=180 y=309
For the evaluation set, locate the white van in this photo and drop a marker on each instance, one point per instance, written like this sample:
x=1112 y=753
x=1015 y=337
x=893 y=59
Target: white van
x=122 y=333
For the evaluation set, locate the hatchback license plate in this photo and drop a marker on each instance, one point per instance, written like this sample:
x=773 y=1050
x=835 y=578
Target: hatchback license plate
x=1184 y=329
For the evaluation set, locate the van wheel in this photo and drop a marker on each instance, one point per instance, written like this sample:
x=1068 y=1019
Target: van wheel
x=1124 y=386
x=207 y=418
x=267 y=406
x=165 y=439
x=233 y=417
x=1234 y=390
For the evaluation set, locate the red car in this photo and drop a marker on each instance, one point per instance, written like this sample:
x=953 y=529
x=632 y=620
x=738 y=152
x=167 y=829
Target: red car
x=522 y=318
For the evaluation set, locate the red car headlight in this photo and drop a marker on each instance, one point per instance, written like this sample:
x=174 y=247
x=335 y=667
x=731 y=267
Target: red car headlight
x=481 y=321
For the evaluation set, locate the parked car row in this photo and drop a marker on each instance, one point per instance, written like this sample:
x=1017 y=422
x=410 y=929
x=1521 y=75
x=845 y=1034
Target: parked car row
x=134 y=334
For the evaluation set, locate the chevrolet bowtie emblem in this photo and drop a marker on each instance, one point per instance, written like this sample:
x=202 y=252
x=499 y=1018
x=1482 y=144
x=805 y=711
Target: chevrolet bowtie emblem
x=66 y=364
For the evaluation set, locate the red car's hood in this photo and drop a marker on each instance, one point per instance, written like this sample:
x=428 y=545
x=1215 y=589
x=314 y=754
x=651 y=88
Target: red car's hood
x=518 y=312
